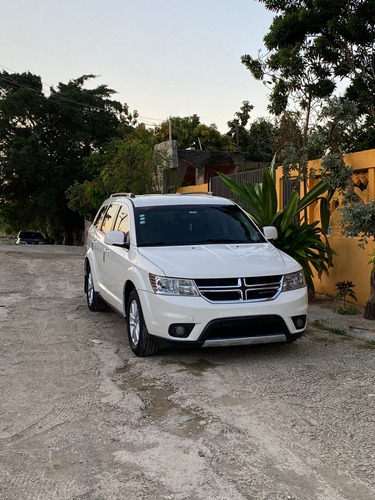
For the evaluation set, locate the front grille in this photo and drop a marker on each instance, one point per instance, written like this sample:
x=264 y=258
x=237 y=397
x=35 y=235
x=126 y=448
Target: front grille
x=251 y=326
x=222 y=295
x=250 y=289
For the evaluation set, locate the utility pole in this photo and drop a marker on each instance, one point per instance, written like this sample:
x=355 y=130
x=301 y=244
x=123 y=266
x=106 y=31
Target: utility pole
x=237 y=138
x=170 y=129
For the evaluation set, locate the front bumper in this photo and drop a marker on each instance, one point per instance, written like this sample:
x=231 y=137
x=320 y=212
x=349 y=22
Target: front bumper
x=225 y=323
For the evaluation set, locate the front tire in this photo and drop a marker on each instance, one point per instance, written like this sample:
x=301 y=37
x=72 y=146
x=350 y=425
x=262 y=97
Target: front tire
x=140 y=341
x=94 y=301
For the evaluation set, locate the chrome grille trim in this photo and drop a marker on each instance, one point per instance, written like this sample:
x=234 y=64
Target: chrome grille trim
x=249 y=289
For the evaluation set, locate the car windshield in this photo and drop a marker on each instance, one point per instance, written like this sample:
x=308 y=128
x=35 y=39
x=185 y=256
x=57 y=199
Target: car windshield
x=194 y=225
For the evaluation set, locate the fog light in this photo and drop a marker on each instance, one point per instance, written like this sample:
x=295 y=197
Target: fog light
x=299 y=321
x=180 y=329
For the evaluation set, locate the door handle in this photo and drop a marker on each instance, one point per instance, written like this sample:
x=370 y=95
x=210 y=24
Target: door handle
x=105 y=252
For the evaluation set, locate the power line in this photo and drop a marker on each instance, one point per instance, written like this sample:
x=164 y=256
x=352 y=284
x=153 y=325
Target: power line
x=17 y=72
x=153 y=119
x=64 y=102
x=69 y=103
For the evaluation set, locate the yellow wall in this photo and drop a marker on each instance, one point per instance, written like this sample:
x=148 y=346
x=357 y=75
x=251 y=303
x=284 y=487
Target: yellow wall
x=201 y=188
x=350 y=261
x=350 y=264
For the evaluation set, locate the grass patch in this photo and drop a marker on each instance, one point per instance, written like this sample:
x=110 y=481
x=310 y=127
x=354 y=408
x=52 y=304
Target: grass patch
x=336 y=331
x=369 y=344
x=348 y=311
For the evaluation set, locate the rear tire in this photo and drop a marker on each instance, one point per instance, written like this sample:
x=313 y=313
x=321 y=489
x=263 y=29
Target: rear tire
x=94 y=301
x=140 y=341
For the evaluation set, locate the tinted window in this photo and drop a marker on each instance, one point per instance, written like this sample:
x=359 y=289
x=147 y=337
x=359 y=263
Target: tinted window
x=109 y=218
x=30 y=235
x=122 y=221
x=194 y=224
x=100 y=216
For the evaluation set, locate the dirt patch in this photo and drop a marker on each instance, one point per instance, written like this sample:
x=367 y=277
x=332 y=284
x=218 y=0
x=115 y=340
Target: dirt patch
x=88 y=420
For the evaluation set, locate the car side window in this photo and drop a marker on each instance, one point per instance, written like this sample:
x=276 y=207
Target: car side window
x=109 y=218
x=122 y=221
x=100 y=216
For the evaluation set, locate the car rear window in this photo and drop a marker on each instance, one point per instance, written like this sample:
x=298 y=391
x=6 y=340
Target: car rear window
x=30 y=235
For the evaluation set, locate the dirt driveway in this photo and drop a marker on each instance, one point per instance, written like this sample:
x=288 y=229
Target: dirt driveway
x=88 y=420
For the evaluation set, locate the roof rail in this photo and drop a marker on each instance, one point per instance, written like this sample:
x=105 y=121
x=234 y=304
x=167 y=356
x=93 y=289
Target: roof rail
x=128 y=195
x=209 y=193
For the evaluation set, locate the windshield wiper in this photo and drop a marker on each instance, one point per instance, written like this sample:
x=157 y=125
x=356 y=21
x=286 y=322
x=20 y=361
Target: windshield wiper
x=225 y=240
x=155 y=244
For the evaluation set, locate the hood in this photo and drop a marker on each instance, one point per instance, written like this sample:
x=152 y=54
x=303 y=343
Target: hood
x=220 y=260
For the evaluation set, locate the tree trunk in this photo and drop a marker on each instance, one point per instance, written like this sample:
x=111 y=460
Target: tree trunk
x=370 y=306
x=68 y=237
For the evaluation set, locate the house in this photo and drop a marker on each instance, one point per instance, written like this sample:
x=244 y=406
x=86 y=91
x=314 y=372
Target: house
x=192 y=167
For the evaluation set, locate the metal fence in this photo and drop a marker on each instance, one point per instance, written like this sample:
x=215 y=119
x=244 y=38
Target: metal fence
x=218 y=187
x=288 y=187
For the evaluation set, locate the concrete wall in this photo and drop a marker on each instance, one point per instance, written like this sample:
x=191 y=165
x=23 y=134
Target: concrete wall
x=171 y=148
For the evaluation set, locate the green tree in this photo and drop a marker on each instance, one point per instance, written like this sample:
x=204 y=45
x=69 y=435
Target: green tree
x=21 y=125
x=256 y=140
x=43 y=144
x=297 y=86
x=311 y=46
x=238 y=132
x=190 y=132
x=263 y=140
x=123 y=166
x=85 y=198
x=338 y=123
x=133 y=166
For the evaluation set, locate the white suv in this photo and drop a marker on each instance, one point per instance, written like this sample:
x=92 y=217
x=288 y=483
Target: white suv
x=193 y=270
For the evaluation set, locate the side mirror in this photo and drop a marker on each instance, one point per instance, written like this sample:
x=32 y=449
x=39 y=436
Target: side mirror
x=116 y=239
x=270 y=232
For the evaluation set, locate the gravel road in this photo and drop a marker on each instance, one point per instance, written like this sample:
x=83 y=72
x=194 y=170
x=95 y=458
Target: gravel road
x=88 y=420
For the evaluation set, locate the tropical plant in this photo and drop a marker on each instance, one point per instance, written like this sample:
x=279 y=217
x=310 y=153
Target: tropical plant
x=307 y=243
x=345 y=290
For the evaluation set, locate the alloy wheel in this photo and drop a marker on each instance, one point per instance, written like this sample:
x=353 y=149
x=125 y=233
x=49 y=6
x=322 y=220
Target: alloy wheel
x=90 y=289
x=134 y=325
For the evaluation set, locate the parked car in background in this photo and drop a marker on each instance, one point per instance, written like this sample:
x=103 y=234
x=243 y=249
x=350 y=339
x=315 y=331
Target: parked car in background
x=192 y=270
x=30 y=238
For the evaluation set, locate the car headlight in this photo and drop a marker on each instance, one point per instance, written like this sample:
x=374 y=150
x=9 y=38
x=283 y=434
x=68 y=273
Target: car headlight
x=293 y=281
x=173 y=286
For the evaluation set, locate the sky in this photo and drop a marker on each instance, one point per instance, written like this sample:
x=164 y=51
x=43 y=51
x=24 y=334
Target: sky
x=164 y=58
